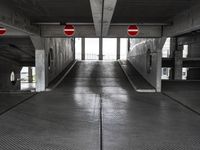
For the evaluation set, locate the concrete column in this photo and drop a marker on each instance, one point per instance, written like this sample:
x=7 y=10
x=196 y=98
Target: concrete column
x=118 y=48
x=176 y=52
x=129 y=44
x=41 y=63
x=173 y=43
x=30 y=75
x=40 y=66
x=74 y=48
x=100 y=48
x=178 y=62
x=83 y=48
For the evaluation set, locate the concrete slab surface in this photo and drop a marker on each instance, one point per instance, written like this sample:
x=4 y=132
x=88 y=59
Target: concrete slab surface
x=69 y=118
x=10 y=99
x=186 y=92
x=134 y=77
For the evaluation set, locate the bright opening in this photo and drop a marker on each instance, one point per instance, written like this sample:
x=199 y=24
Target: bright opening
x=166 y=49
x=92 y=48
x=27 y=78
x=184 y=73
x=78 y=48
x=109 y=49
x=123 y=48
x=185 y=51
x=166 y=73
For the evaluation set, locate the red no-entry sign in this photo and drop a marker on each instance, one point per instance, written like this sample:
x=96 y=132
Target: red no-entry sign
x=69 y=30
x=133 y=30
x=2 y=31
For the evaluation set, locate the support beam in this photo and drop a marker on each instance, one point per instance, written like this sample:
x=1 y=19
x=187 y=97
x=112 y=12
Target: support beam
x=118 y=48
x=89 y=31
x=16 y=23
x=83 y=49
x=108 y=11
x=184 y=22
x=96 y=7
x=102 y=12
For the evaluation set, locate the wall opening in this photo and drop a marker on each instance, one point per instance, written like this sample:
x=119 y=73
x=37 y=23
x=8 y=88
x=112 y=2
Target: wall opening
x=166 y=49
x=91 y=48
x=123 y=48
x=166 y=73
x=78 y=48
x=109 y=48
x=184 y=73
x=185 y=51
x=27 y=78
x=13 y=78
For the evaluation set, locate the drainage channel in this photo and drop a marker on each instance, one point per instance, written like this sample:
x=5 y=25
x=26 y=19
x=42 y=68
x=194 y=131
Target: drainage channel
x=101 y=122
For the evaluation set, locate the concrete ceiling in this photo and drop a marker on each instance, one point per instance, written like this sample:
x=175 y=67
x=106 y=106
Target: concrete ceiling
x=102 y=13
x=149 y=11
x=55 y=10
x=19 y=49
x=126 y=11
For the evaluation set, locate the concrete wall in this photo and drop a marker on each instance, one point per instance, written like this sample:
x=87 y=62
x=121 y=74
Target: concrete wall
x=6 y=67
x=62 y=53
x=193 y=74
x=138 y=58
x=194 y=50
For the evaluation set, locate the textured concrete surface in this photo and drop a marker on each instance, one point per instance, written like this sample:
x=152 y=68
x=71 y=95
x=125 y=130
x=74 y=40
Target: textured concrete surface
x=139 y=58
x=134 y=77
x=186 y=92
x=62 y=55
x=69 y=116
x=8 y=100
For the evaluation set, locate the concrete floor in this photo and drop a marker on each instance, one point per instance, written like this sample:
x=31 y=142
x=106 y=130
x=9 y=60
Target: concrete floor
x=135 y=78
x=68 y=118
x=185 y=92
x=10 y=99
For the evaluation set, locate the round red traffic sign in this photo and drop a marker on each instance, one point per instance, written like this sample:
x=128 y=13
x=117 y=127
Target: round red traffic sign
x=133 y=30
x=2 y=31
x=69 y=30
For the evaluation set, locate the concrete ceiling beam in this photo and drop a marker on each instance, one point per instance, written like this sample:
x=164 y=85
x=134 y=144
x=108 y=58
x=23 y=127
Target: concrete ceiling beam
x=102 y=12
x=89 y=31
x=16 y=23
x=184 y=22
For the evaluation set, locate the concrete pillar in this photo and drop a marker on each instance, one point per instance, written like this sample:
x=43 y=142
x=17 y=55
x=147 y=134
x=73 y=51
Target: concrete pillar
x=129 y=44
x=118 y=48
x=74 y=48
x=173 y=43
x=83 y=48
x=100 y=48
x=41 y=63
x=178 y=62
x=176 y=52
x=40 y=70
x=30 y=75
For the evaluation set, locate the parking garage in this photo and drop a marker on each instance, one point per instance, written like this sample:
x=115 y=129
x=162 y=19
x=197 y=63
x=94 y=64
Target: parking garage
x=99 y=75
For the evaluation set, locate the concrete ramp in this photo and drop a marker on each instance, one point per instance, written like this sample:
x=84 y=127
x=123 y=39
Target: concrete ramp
x=136 y=80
